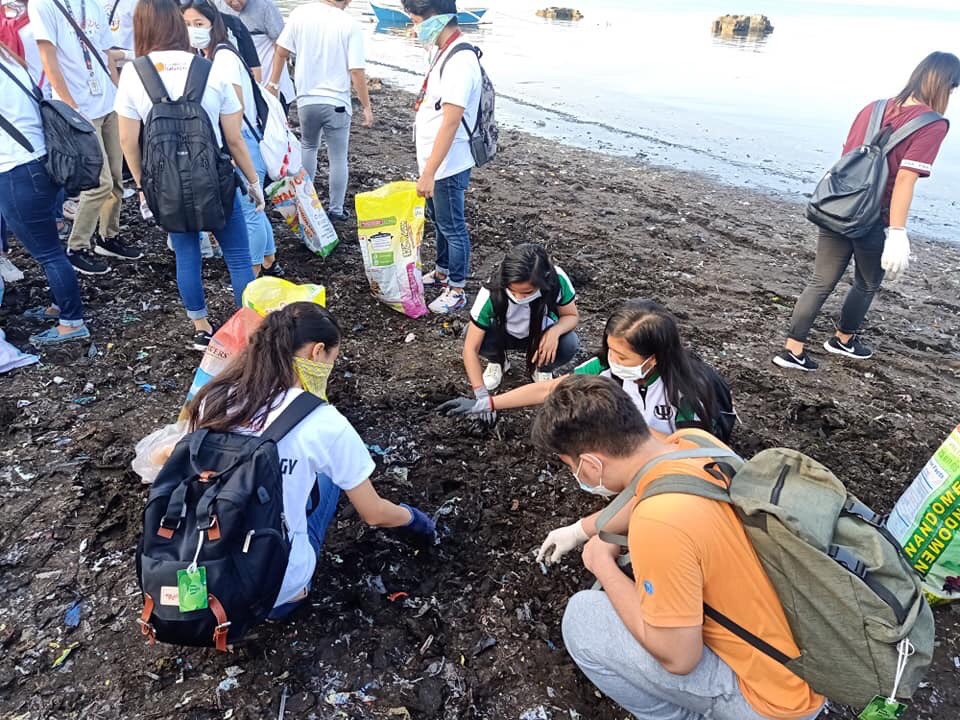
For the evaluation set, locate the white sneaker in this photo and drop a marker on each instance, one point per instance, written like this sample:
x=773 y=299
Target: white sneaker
x=493 y=375
x=10 y=272
x=206 y=247
x=434 y=277
x=70 y=207
x=542 y=377
x=450 y=300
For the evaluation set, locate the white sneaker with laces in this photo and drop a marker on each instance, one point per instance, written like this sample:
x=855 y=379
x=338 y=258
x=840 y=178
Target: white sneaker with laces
x=539 y=377
x=450 y=301
x=493 y=375
x=434 y=277
x=10 y=272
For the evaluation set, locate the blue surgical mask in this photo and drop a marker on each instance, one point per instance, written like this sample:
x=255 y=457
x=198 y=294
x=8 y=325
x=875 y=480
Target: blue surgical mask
x=429 y=30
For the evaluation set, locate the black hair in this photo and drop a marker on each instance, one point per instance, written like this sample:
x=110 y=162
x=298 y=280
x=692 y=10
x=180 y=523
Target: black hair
x=241 y=396
x=524 y=263
x=429 y=8
x=587 y=413
x=651 y=330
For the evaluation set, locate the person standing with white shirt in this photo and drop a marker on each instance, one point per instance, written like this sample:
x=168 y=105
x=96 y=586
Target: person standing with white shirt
x=160 y=33
x=27 y=199
x=79 y=76
x=448 y=103
x=263 y=20
x=328 y=44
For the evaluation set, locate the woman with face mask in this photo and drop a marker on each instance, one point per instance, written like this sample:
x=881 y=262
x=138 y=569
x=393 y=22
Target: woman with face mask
x=292 y=352
x=642 y=350
x=528 y=306
x=208 y=36
x=160 y=33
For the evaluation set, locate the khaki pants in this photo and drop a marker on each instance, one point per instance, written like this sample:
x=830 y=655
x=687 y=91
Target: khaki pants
x=102 y=204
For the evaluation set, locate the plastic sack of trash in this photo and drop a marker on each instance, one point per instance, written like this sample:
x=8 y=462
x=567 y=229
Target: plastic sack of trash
x=295 y=198
x=926 y=522
x=266 y=294
x=225 y=345
x=153 y=451
x=390 y=221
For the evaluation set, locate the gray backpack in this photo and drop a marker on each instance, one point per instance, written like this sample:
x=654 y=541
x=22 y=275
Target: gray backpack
x=849 y=594
x=848 y=199
x=485 y=133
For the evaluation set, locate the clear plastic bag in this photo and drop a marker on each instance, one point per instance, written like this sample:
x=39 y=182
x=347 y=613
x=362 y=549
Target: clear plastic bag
x=154 y=450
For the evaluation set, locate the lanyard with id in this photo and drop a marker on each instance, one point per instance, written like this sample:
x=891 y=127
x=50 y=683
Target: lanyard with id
x=889 y=708
x=96 y=89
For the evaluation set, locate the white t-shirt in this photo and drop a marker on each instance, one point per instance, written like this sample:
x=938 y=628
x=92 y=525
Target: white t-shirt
x=24 y=115
x=219 y=97
x=462 y=85
x=49 y=24
x=121 y=26
x=323 y=445
x=228 y=65
x=328 y=44
x=31 y=53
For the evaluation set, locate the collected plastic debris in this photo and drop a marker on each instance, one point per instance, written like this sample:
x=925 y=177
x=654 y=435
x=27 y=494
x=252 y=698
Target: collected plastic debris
x=537 y=713
x=71 y=618
x=62 y=657
x=375 y=583
x=339 y=699
x=399 y=712
x=393 y=597
x=484 y=644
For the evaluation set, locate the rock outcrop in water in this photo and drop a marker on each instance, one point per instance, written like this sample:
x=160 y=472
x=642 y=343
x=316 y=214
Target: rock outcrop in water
x=742 y=25
x=556 y=13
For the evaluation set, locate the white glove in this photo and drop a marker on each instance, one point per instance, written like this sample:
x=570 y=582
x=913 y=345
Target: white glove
x=561 y=541
x=896 y=252
x=255 y=192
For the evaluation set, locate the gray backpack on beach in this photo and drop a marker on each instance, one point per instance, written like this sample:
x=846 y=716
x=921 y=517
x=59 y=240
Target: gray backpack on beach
x=847 y=590
x=848 y=199
x=485 y=133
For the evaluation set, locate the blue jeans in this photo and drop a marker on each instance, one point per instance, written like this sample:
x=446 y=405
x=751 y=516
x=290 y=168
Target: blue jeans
x=446 y=210
x=236 y=253
x=259 y=229
x=318 y=520
x=27 y=199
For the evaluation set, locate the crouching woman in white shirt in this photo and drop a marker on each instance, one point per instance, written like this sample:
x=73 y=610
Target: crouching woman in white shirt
x=160 y=33
x=293 y=352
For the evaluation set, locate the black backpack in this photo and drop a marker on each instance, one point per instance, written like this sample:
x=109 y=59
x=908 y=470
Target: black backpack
x=74 y=158
x=485 y=133
x=848 y=199
x=188 y=179
x=724 y=415
x=217 y=508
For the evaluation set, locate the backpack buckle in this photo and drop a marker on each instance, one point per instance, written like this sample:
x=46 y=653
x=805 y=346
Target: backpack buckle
x=167 y=530
x=848 y=560
x=856 y=508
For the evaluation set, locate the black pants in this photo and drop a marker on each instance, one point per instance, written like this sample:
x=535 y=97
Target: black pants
x=834 y=253
x=491 y=349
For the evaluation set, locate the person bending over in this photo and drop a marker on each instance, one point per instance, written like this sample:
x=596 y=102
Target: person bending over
x=885 y=250
x=643 y=351
x=294 y=351
x=645 y=643
x=529 y=306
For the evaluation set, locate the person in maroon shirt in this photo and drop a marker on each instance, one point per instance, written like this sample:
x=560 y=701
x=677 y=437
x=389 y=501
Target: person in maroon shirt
x=885 y=250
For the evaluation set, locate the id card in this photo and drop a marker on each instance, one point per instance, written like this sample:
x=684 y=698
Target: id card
x=192 y=589
x=95 y=87
x=880 y=708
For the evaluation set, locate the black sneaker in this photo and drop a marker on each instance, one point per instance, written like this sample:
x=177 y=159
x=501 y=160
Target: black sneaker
x=201 y=340
x=86 y=263
x=853 y=349
x=114 y=248
x=339 y=216
x=276 y=270
x=789 y=361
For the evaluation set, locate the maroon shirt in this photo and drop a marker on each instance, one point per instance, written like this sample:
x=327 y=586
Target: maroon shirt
x=916 y=153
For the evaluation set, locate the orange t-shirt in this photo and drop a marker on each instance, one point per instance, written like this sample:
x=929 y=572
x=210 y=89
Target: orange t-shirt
x=687 y=551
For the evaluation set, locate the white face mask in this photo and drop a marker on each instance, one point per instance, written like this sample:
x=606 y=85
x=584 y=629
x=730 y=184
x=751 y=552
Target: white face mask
x=593 y=489
x=199 y=37
x=624 y=372
x=524 y=300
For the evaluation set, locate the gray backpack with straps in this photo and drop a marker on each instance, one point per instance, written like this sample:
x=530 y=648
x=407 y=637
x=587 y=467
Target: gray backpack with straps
x=485 y=134
x=848 y=593
x=848 y=200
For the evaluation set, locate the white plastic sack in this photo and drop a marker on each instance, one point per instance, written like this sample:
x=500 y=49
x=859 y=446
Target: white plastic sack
x=154 y=450
x=296 y=200
x=279 y=147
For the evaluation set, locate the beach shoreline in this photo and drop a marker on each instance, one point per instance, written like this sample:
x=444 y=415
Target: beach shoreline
x=478 y=635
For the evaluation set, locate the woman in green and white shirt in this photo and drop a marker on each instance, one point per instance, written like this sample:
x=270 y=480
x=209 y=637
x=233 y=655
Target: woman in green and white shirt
x=527 y=306
x=643 y=351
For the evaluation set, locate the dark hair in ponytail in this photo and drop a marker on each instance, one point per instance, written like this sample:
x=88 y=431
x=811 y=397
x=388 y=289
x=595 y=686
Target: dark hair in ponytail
x=650 y=329
x=242 y=395
x=525 y=263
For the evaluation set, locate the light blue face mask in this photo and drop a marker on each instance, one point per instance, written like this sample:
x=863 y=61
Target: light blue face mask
x=429 y=30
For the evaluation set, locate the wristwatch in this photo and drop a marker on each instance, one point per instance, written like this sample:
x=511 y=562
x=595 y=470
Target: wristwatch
x=273 y=86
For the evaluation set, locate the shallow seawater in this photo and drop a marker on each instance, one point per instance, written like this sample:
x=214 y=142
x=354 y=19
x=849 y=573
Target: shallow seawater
x=648 y=79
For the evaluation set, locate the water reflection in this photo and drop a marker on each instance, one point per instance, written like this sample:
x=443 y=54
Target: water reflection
x=746 y=43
